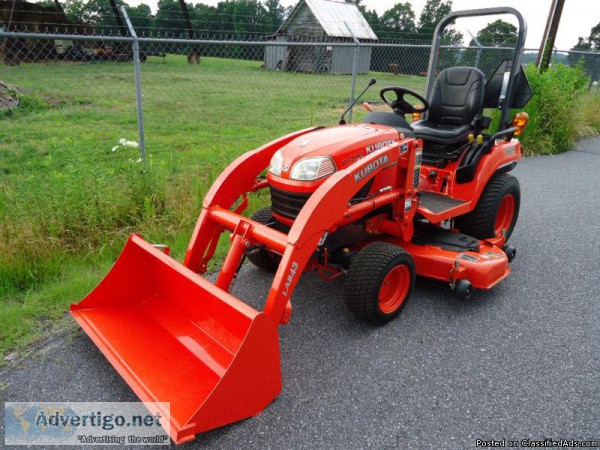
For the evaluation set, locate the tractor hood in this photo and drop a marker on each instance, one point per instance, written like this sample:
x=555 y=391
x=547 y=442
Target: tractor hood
x=344 y=144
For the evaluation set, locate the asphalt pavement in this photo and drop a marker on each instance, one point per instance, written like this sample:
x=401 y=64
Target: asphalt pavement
x=518 y=362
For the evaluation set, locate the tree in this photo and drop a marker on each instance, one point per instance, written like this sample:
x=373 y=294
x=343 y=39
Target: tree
x=169 y=19
x=141 y=18
x=370 y=16
x=594 y=38
x=74 y=9
x=582 y=45
x=432 y=14
x=241 y=16
x=47 y=3
x=96 y=12
x=399 y=21
x=205 y=18
x=497 y=34
x=274 y=15
x=590 y=62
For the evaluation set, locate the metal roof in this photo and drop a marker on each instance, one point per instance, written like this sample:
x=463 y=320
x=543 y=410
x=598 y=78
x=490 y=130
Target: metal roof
x=338 y=19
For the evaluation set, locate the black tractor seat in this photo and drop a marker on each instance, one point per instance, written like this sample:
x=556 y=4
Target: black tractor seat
x=455 y=107
x=443 y=134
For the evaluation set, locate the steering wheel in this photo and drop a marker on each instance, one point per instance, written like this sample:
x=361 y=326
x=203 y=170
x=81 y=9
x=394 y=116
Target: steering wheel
x=399 y=104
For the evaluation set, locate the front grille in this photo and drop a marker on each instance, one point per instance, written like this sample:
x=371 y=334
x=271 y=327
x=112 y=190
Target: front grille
x=287 y=204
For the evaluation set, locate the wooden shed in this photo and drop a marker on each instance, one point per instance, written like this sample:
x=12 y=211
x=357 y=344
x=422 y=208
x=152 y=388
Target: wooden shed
x=329 y=21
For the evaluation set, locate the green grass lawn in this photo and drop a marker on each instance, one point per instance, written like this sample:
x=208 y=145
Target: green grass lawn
x=67 y=202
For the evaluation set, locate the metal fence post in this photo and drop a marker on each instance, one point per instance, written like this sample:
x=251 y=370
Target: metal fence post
x=138 y=83
x=354 y=70
x=479 y=50
x=478 y=58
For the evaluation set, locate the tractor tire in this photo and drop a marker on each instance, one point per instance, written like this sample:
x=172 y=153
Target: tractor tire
x=379 y=282
x=497 y=210
x=261 y=257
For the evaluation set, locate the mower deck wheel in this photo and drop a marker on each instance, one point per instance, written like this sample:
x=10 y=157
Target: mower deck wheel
x=510 y=252
x=260 y=257
x=379 y=282
x=463 y=289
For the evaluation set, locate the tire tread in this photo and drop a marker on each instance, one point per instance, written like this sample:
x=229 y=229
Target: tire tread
x=479 y=223
x=263 y=259
x=365 y=276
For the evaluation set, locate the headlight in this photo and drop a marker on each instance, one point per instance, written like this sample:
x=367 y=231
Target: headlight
x=311 y=169
x=276 y=163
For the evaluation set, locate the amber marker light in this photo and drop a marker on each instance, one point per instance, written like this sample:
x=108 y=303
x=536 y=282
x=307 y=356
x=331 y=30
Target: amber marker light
x=520 y=122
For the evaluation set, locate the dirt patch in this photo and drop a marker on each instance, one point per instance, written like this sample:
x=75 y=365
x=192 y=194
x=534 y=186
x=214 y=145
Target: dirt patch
x=9 y=96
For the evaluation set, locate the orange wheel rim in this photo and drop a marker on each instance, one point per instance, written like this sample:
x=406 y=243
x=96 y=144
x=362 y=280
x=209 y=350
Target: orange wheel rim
x=505 y=214
x=394 y=289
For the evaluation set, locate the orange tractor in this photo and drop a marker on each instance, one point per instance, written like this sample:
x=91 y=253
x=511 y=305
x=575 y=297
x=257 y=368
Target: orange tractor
x=378 y=202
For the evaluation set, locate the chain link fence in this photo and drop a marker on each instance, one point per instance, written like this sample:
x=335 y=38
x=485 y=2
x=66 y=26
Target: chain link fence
x=226 y=89
x=83 y=106
x=207 y=87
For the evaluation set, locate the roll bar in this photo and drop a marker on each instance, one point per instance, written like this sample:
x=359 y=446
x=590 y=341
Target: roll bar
x=516 y=65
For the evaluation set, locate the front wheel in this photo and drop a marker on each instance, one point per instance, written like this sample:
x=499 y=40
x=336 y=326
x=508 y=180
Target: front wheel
x=496 y=212
x=260 y=256
x=379 y=283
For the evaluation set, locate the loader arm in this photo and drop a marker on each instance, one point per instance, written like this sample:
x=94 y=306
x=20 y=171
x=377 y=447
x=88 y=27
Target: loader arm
x=326 y=210
x=236 y=180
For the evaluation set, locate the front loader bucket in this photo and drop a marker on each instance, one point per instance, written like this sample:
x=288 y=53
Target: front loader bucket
x=175 y=337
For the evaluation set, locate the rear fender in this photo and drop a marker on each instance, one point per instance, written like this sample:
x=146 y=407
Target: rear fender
x=501 y=155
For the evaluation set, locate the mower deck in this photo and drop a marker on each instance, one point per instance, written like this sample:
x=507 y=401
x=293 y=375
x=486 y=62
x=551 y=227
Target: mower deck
x=484 y=268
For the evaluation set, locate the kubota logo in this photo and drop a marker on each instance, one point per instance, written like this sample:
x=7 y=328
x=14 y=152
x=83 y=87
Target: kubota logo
x=365 y=171
x=378 y=146
x=290 y=278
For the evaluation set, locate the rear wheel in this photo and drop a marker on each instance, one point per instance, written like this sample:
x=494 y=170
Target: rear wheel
x=496 y=212
x=379 y=283
x=259 y=256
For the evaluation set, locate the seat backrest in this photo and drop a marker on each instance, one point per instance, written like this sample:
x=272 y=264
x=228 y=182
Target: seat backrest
x=457 y=96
